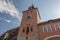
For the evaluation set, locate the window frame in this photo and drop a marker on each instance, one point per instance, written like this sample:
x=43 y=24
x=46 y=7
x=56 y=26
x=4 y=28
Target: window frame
x=55 y=26
x=47 y=28
x=43 y=28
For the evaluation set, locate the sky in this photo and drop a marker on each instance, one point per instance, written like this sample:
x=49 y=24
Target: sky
x=11 y=11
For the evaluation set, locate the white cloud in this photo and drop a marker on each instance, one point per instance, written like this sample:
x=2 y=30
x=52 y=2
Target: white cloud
x=5 y=20
x=8 y=7
x=8 y=21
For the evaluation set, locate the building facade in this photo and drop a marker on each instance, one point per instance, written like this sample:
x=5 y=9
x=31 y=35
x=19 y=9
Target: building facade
x=32 y=29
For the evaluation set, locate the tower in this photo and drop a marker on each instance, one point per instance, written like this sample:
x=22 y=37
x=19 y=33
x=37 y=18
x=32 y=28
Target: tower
x=29 y=29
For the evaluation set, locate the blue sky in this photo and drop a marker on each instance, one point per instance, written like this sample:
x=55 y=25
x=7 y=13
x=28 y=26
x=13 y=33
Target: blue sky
x=11 y=11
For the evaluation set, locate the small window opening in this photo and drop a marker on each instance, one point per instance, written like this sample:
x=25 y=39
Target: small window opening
x=31 y=29
x=27 y=31
x=23 y=30
x=26 y=38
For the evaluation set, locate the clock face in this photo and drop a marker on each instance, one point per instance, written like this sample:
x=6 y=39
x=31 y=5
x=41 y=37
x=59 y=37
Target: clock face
x=29 y=17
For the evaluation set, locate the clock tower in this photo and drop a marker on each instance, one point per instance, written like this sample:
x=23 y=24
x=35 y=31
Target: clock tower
x=28 y=29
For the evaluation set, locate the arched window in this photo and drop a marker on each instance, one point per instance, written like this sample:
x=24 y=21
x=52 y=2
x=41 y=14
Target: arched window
x=23 y=30
x=31 y=29
x=27 y=30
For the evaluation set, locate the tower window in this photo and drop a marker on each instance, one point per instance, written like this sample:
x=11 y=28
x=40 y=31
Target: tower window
x=47 y=29
x=23 y=30
x=27 y=31
x=26 y=38
x=57 y=27
x=31 y=29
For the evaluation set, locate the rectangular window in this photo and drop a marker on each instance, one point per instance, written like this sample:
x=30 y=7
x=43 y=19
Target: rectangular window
x=57 y=27
x=47 y=28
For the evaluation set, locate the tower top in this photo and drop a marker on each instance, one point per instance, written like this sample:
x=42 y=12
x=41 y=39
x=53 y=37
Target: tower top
x=31 y=7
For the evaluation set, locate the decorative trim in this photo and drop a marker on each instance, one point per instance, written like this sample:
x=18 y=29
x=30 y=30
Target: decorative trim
x=51 y=37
